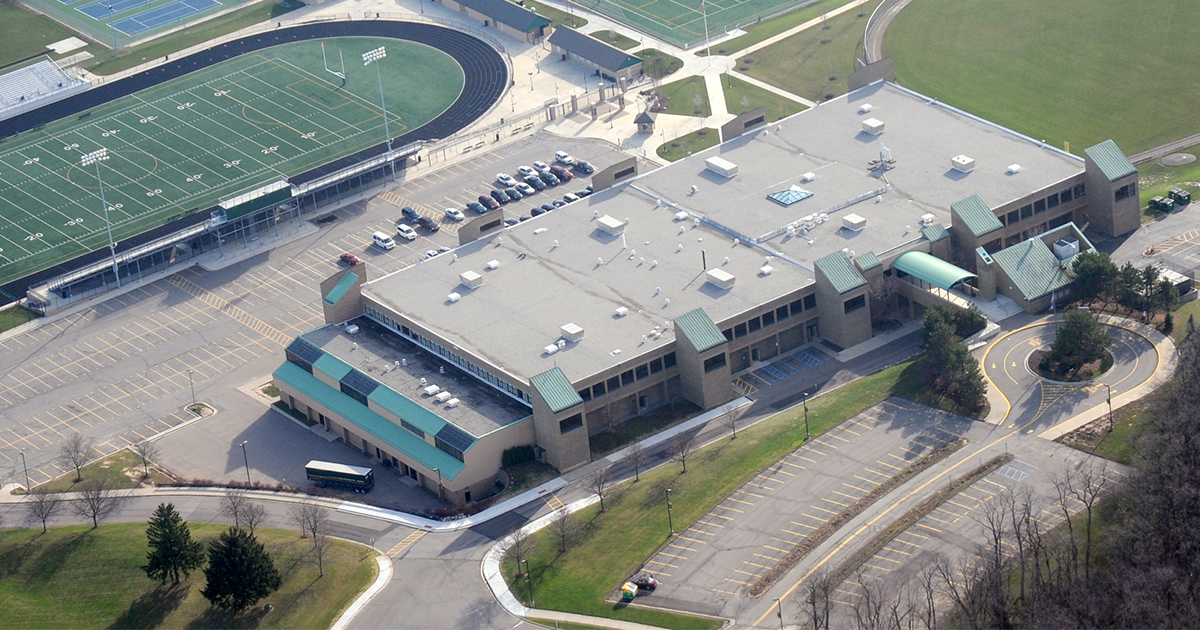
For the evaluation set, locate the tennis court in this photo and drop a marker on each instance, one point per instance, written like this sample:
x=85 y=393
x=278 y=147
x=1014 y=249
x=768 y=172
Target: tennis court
x=682 y=22
x=163 y=15
x=187 y=143
x=132 y=20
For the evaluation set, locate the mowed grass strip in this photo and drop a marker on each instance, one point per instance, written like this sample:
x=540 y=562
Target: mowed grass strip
x=742 y=96
x=767 y=29
x=688 y=144
x=77 y=577
x=617 y=543
x=1067 y=71
x=815 y=62
x=26 y=33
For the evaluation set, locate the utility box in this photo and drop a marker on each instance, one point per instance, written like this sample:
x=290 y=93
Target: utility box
x=572 y=332
x=470 y=279
x=610 y=225
x=962 y=163
x=854 y=223
x=872 y=126
x=721 y=167
x=1065 y=248
x=720 y=278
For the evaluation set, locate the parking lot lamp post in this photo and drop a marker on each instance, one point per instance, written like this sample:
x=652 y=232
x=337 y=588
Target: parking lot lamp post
x=441 y=495
x=804 y=398
x=28 y=487
x=192 y=387
x=246 y=459
x=528 y=580
x=670 y=523
x=111 y=12
x=88 y=159
x=1110 y=416
x=374 y=56
x=779 y=611
x=530 y=81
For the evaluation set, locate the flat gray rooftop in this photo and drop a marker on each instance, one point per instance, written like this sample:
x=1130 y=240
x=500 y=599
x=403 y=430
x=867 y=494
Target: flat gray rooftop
x=559 y=268
x=375 y=351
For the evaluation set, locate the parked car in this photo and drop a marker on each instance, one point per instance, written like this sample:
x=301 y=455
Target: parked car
x=443 y=249
x=562 y=157
x=561 y=173
x=569 y=197
x=454 y=215
x=526 y=171
x=583 y=192
x=510 y=221
x=536 y=182
x=478 y=207
x=488 y=202
x=645 y=582
x=428 y=224
x=513 y=194
x=558 y=203
x=549 y=179
x=406 y=232
x=349 y=259
x=547 y=207
x=506 y=179
x=541 y=167
x=410 y=215
x=430 y=254
x=583 y=166
x=526 y=217
x=526 y=189
x=537 y=211
x=498 y=195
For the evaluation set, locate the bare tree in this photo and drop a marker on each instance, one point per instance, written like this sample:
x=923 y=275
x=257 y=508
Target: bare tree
x=682 y=446
x=41 y=505
x=519 y=546
x=637 y=457
x=253 y=515
x=1062 y=500
x=321 y=547
x=310 y=519
x=816 y=599
x=148 y=451
x=1086 y=487
x=75 y=453
x=870 y=606
x=97 y=499
x=600 y=483
x=235 y=505
x=731 y=416
x=565 y=527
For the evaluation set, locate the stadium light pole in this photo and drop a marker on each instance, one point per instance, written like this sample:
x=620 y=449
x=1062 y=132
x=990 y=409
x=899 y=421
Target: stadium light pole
x=111 y=13
x=374 y=56
x=245 y=459
x=88 y=159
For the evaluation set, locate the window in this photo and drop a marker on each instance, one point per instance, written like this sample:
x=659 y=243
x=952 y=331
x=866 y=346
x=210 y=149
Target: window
x=627 y=377
x=669 y=361
x=656 y=366
x=810 y=302
x=768 y=319
x=445 y=447
x=797 y=307
x=598 y=390
x=353 y=393
x=781 y=313
x=714 y=362
x=642 y=371
x=755 y=324
x=1003 y=219
x=1065 y=196
x=739 y=331
x=1079 y=191
x=419 y=433
x=1013 y=217
x=567 y=425
x=585 y=393
x=1039 y=206
x=1125 y=191
x=1051 y=202
x=728 y=332
x=304 y=365
x=614 y=383
x=853 y=304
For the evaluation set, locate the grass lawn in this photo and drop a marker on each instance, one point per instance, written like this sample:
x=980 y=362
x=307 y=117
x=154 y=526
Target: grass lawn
x=741 y=96
x=1181 y=314
x=616 y=39
x=555 y=15
x=688 y=97
x=813 y=63
x=1049 y=69
x=76 y=577
x=657 y=63
x=912 y=386
x=616 y=543
x=626 y=433
x=688 y=144
x=26 y=33
x=15 y=316
x=122 y=469
x=770 y=28
x=1154 y=179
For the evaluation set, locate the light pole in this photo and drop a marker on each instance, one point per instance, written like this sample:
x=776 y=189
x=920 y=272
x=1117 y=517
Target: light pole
x=779 y=611
x=246 y=459
x=804 y=398
x=28 y=486
x=374 y=56
x=670 y=523
x=1110 y=416
x=192 y=387
x=530 y=81
x=88 y=159
x=116 y=51
x=514 y=101
x=528 y=580
x=441 y=495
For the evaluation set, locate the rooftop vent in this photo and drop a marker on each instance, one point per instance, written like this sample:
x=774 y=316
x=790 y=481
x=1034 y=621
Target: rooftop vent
x=470 y=279
x=493 y=264
x=766 y=270
x=453 y=297
x=866 y=108
x=1066 y=247
x=622 y=311
x=854 y=223
x=452 y=403
x=927 y=219
x=432 y=389
x=572 y=332
x=610 y=225
x=551 y=349
x=443 y=396
x=681 y=216
x=808 y=177
x=962 y=163
x=1013 y=169
x=872 y=126
x=721 y=167
x=720 y=278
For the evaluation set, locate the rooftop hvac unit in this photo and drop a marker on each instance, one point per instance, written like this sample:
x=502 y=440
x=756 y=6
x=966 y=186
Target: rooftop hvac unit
x=962 y=163
x=1064 y=248
x=551 y=349
x=766 y=270
x=720 y=278
x=493 y=264
x=927 y=219
x=470 y=279
x=681 y=216
x=610 y=225
x=866 y=108
x=721 y=167
x=872 y=126
x=572 y=332
x=452 y=403
x=1013 y=169
x=808 y=177
x=351 y=329
x=453 y=297
x=432 y=389
x=622 y=311
x=854 y=223
x=443 y=396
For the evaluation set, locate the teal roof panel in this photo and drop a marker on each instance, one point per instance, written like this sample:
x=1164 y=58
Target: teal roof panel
x=332 y=366
x=867 y=261
x=367 y=420
x=935 y=233
x=556 y=389
x=700 y=330
x=976 y=215
x=1033 y=268
x=407 y=409
x=340 y=289
x=1111 y=160
x=837 y=268
x=931 y=269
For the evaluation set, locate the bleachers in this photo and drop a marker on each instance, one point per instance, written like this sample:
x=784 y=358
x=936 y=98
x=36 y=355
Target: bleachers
x=23 y=87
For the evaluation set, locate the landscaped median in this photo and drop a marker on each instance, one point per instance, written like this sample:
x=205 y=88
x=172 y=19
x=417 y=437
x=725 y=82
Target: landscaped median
x=612 y=546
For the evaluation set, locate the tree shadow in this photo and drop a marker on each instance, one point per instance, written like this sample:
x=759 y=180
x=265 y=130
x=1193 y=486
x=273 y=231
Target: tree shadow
x=216 y=618
x=57 y=556
x=149 y=610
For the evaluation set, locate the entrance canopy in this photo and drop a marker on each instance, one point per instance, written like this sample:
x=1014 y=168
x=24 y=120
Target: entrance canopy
x=931 y=269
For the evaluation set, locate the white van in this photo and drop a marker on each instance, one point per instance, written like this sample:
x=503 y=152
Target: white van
x=383 y=240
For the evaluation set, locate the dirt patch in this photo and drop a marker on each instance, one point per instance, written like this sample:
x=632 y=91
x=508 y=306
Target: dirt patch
x=1086 y=372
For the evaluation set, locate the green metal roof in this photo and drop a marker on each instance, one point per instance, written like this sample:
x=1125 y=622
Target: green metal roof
x=1112 y=162
x=364 y=418
x=341 y=288
x=931 y=269
x=1033 y=268
x=934 y=233
x=700 y=330
x=976 y=215
x=867 y=261
x=840 y=272
x=332 y=366
x=556 y=389
x=407 y=409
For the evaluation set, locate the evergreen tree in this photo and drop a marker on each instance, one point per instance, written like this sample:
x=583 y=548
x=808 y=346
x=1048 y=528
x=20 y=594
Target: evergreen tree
x=1080 y=339
x=1094 y=274
x=949 y=368
x=240 y=571
x=172 y=550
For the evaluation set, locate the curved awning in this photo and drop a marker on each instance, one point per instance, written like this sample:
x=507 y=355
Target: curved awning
x=931 y=269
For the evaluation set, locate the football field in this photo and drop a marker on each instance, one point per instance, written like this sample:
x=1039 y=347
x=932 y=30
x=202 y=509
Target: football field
x=188 y=143
x=682 y=22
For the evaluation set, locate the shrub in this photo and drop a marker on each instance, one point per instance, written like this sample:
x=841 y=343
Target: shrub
x=517 y=455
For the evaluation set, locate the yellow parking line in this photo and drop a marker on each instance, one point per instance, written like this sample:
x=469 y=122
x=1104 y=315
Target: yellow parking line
x=848 y=496
x=815 y=518
x=867 y=480
x=662 y=563
x=728 y=508
x=811 y=461
x=698 y=531
x=932 y=529
x=710 y=524
x=739 y=501
x=753 y=575
x=821 y=509
x=882 y=463
x=756 y=496
x=737 y=581
x=682 y=537
x=787 y=463
x=862 y=490
x=884 y=569
x=834 y=502
x=671 y=555
x=755 y=564
x=775 y=549
x=805 y=525
x=788 y=531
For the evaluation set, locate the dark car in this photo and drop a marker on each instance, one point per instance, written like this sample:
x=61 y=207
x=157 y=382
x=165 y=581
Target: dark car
x=349 y=259
x=536 y=182
x=549 y=179
x=583 y=166
x=488 y=202
x=410 y=215
x=547 y=207
x=583 y=192
x=513 y=194
x=561 y=173
x=537 y=212
x=428 y=224
x=645 y=582
x=559 y=204
x=499 y=195
x=511 y=220
x=478 y=207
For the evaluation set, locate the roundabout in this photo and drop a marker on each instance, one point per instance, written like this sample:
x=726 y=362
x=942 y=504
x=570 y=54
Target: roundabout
x=1050 y=407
